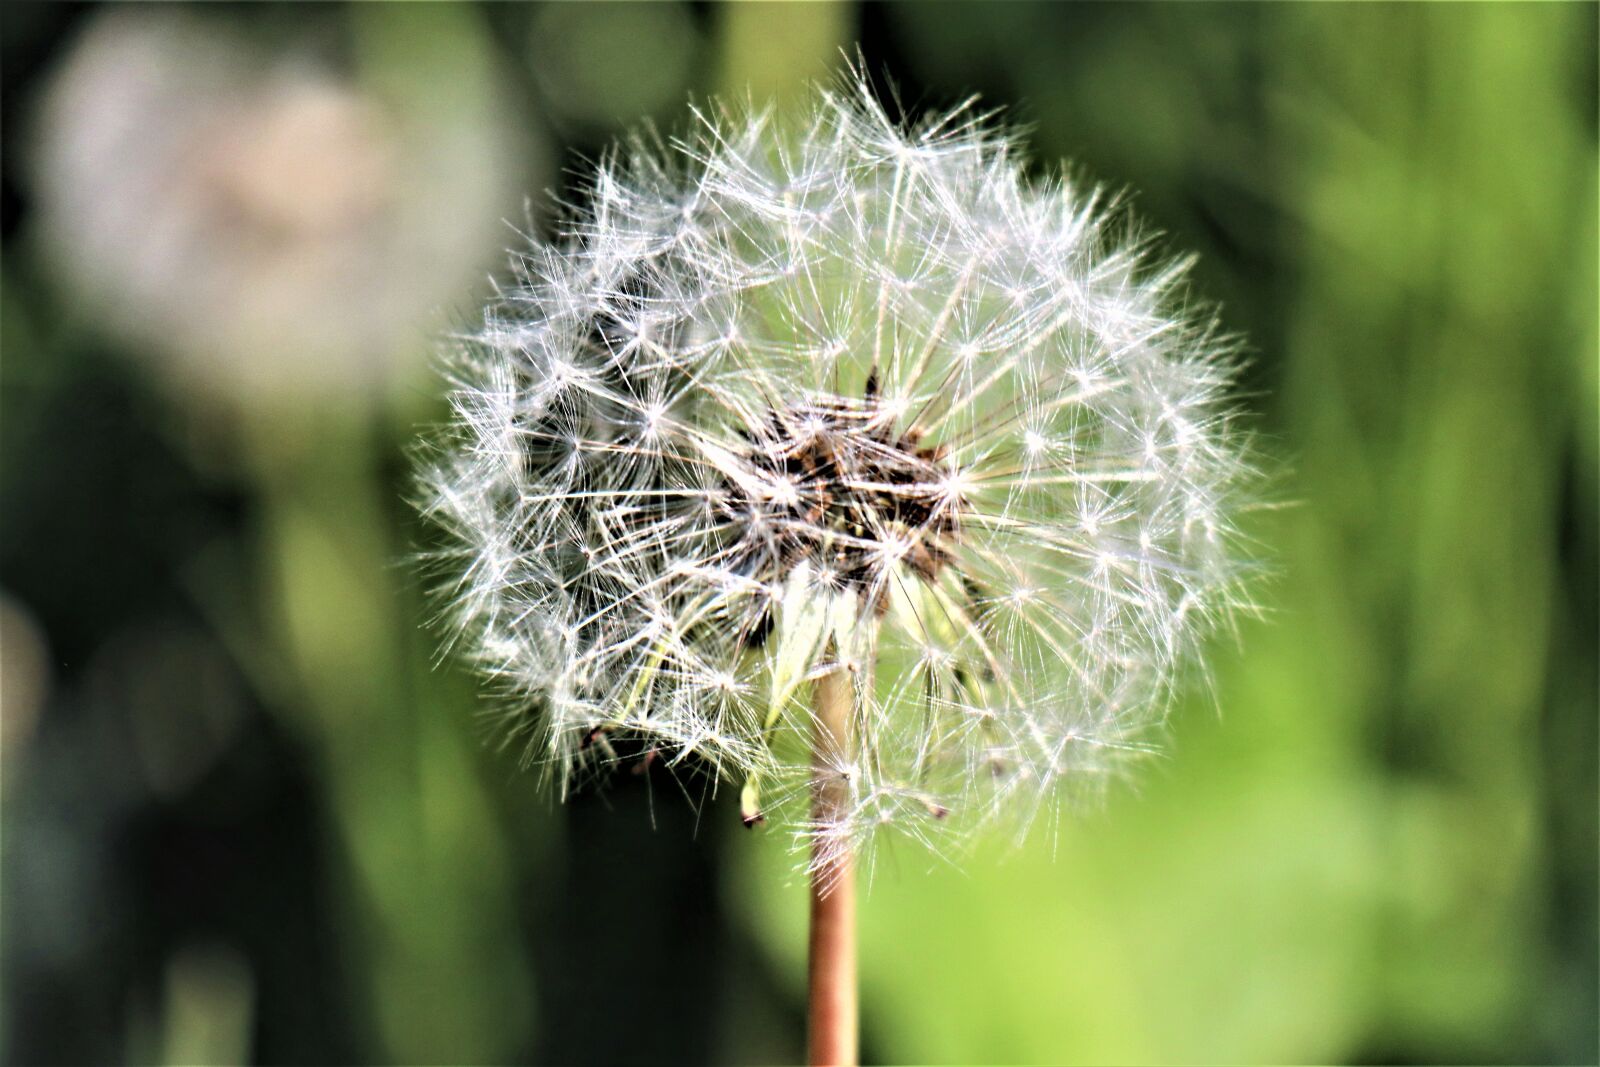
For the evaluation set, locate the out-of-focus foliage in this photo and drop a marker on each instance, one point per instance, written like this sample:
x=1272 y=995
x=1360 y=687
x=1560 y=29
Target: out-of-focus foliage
x=246 y=816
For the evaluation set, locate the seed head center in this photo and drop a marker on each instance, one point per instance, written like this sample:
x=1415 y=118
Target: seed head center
x=849 y=492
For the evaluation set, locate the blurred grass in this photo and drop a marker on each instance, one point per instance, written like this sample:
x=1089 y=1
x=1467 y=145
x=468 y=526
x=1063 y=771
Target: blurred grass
x=1374 y=840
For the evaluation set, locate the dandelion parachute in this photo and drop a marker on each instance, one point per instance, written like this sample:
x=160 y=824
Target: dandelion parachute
x=780 y=400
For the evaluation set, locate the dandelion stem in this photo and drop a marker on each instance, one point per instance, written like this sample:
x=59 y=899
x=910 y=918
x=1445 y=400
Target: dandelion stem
x=832 y=1024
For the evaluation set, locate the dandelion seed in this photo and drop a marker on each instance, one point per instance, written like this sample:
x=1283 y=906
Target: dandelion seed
x=869 y=406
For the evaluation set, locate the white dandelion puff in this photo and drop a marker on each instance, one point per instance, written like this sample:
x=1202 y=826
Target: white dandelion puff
x=261 y=222
x=853 y=396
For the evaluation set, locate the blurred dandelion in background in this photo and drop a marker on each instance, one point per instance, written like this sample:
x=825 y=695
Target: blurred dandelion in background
x=270 y=222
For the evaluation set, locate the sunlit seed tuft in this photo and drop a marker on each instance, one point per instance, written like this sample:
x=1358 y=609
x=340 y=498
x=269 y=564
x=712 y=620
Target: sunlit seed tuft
x=849 y=395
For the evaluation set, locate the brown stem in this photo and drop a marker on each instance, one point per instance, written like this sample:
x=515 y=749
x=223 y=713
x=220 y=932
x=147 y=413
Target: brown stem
x=831 y=1032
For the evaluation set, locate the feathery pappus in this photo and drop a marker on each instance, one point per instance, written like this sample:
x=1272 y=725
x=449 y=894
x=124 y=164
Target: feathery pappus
x=845 y=394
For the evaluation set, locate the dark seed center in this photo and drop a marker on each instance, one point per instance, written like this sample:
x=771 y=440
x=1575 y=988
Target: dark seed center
x=852 y=494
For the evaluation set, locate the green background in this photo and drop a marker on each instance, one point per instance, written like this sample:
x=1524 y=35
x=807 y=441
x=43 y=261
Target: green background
x=249 y=818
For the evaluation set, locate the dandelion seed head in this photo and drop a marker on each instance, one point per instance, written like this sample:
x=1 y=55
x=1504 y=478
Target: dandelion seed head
x=261 y=222
x=855 y=394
